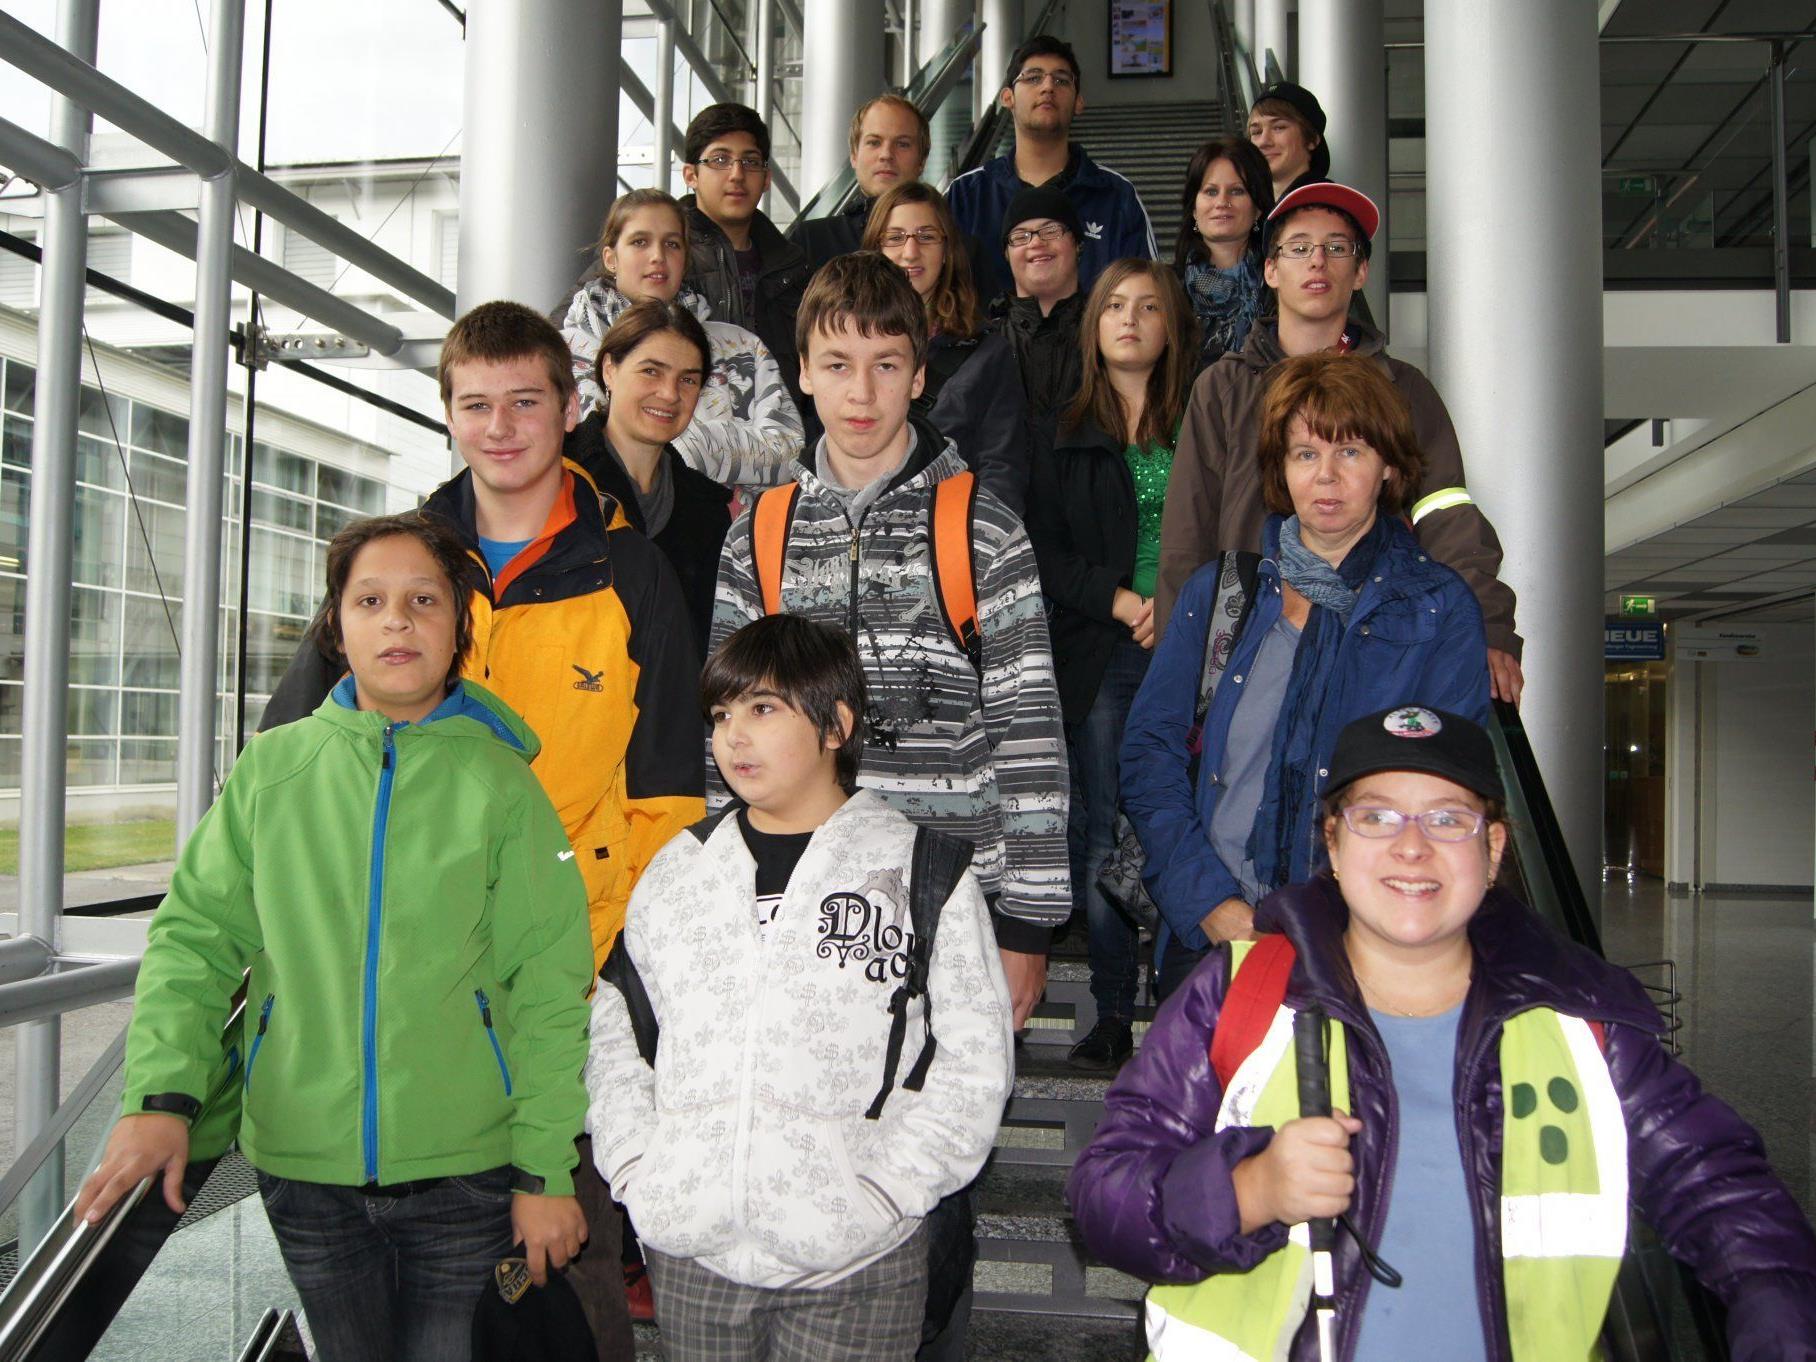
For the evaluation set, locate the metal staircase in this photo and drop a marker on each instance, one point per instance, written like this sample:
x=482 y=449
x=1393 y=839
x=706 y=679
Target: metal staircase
x=1151 y=144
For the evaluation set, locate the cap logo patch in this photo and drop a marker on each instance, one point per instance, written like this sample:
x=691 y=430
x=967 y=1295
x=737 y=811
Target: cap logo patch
x=1413 y=722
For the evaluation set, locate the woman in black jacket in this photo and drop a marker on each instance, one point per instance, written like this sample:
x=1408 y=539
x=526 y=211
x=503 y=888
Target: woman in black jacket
x=1094 y=510
x=652 y=364
x=972 y=394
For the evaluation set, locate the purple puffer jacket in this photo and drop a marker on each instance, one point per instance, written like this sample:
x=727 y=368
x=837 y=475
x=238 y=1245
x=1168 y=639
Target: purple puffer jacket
x=1153 y=1194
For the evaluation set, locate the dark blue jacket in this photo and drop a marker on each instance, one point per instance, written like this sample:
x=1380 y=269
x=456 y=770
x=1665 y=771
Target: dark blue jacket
x=1154 y=1197
x=1116 y=225
x=1414 y=637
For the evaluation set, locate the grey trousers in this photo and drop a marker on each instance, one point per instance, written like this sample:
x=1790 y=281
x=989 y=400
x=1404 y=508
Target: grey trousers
x=874 y=1315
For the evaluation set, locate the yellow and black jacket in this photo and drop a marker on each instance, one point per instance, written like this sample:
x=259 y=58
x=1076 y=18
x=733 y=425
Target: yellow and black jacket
x=585 y=635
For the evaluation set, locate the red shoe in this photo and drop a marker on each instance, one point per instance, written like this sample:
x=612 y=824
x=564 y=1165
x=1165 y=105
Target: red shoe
x=637 y=1293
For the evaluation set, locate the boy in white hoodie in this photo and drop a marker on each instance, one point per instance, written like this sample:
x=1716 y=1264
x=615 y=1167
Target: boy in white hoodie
x=802 y=1038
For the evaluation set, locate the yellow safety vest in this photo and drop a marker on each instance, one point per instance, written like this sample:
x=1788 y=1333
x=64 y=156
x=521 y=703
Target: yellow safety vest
x=1563 y=1201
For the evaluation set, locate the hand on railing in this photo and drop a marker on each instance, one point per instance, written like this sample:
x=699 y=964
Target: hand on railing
x=141 y=1146
x=1505 y=679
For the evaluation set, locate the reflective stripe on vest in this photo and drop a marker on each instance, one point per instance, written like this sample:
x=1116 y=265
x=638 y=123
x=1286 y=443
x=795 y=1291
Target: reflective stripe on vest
x=1563 y=1201
x=1441 y=500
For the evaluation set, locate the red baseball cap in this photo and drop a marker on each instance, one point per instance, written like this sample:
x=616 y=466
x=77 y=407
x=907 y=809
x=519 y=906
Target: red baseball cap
x=1329 y=194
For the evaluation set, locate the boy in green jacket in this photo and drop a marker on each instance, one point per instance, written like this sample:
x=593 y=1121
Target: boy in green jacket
x=416 y=928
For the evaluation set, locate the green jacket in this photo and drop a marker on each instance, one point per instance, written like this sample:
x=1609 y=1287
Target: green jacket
x=417 y=933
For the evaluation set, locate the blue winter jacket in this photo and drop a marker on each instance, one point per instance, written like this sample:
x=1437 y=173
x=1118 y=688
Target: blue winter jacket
x=1115 y=223
x=1414 y=637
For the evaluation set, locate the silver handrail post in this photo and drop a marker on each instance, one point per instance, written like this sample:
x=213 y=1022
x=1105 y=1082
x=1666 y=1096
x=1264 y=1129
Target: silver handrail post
x=44 y=721
x=664 y=116
x=766 y=71
x=1781 y=199
x=206 y=484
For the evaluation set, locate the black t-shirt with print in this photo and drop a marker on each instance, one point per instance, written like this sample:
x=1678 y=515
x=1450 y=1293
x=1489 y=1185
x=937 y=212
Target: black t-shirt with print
x=776 y=855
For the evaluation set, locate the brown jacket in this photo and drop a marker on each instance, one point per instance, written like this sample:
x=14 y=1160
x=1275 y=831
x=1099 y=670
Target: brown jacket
x=1214 y=497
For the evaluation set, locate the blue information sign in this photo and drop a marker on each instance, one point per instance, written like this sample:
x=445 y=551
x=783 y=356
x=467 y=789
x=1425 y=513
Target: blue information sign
x=1633 y=640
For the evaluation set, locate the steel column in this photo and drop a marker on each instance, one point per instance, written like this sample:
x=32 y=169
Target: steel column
x=1343 y=62
x=1272 y=35
x=910 y=56
x=1242 y=20
x=539 y=166
x=199 y=666
x=1781 y=199
x=664 y=99
x=766 y=59
x=940 y=23
x=843 y=48
x=49 y=553
x=1515 y=308
x=1003 y=22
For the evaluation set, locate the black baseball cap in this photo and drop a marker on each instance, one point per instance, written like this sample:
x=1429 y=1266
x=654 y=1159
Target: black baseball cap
x=1304 y=102
x=1414 y=738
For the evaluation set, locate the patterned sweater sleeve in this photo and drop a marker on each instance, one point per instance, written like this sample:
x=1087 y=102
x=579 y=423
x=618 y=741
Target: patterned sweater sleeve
x=746 y=430
x=1023 y=726
x=736 y=602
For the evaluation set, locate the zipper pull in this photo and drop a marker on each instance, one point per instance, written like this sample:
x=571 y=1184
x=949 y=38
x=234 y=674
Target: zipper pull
x=265 y=1013
x=854 y=544
x=390 y=746
x=485 y=1007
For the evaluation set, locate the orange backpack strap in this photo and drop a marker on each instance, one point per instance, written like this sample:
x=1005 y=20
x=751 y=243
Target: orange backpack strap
x=769 y=541
x=1249 y=1004
x=952 y=574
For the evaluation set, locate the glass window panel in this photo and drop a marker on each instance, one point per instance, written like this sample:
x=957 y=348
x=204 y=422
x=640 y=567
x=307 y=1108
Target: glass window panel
x=163 y=527
x=12 y=702
x=271 y=641
x=91 y=763
x=286 y=573
x=10 y=750
x=288 y=472
x=268 y=508
x=161 y=431
x=98 y=524
x=329 y=520
x=148 y=714
x=349 y=489
x=12 y=628
x=105 y=417
x=93 y=712
x=18 y=386
x=148 y=761
x=94 y=636
x=98 y=462
x=15 y=509
x=159 y=479
x=255 y=712
x=16 y=441
x=151 y=650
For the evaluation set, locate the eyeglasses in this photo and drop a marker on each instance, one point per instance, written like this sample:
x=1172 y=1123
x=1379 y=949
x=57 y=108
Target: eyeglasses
x=1034 y=77
x=1335 y=249
x=723 y=161
x=1441 y=825
x=927 y=236
x=1025 y=236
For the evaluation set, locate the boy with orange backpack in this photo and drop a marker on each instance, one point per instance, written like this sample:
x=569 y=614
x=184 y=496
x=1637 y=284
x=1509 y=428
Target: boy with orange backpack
x=884 y=534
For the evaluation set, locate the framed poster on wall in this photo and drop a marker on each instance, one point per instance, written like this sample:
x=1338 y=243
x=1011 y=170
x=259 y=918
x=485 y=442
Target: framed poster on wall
x=1141 y=37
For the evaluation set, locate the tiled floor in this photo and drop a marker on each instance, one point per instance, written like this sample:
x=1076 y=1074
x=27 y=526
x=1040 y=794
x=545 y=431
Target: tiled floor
x=1746 y=967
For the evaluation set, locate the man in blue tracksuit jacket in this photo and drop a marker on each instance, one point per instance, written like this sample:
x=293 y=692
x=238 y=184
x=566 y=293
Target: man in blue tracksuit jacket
x=1043 y=91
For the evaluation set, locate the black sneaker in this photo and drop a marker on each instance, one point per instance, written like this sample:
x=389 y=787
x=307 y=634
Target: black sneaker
x=1111 y=1041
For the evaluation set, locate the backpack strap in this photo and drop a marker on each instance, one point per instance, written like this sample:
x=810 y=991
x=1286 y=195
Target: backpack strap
x=953 y=572
x=939 y=863
x=1256 y=989
x=621 y=973
x=769 y=541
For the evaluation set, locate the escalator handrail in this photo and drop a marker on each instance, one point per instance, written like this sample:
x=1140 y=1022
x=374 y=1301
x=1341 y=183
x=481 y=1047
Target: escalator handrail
x=71 y=1110
x=1538 y=837
x=1240 y=83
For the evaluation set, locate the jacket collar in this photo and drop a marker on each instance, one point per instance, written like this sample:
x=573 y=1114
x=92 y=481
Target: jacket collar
x=933 y=458
x=1089 y=436
x=582 y=542
x=1262 y=348
x=466 y=700
x=1520 y=962
x=615 y=483
x=773 y=249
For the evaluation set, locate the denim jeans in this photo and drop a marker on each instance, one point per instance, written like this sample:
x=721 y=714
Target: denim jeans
x=391 y=1279
x=1094 y=746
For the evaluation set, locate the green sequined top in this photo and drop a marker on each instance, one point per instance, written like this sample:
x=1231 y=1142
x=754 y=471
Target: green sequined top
x=1150 y=467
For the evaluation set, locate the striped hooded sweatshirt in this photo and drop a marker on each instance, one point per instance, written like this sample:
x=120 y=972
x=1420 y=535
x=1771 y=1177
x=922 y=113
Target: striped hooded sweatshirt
x=977 y=755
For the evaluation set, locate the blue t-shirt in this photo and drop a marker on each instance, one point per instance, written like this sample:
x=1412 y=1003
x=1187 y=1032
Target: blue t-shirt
x=1247 y=753
x=1435 y=1315
x=499 y=552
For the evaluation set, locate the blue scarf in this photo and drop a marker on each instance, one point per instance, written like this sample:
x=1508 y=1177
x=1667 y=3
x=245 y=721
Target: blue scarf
x=1283 y=844
x=1226 y=302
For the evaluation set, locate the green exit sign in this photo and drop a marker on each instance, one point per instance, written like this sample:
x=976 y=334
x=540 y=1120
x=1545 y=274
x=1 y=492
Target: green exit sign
x=1639 y=184
x=1639 y=605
